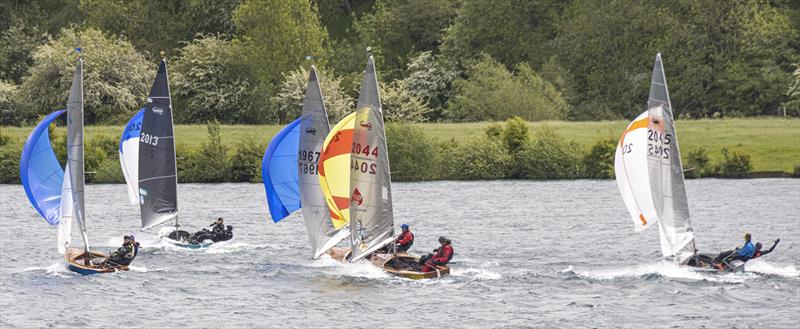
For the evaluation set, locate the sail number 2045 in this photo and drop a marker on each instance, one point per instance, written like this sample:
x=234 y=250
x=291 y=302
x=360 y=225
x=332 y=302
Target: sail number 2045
x=657 y=143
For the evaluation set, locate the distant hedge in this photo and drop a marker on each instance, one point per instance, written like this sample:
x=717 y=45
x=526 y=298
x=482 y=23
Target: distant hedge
x=506 y=151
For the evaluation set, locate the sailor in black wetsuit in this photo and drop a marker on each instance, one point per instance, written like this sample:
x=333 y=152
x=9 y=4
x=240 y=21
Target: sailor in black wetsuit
x=124 y=255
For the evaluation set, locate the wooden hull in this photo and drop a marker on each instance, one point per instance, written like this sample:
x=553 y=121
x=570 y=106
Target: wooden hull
x=399 y=265
x=339 y=253
x=76 y=261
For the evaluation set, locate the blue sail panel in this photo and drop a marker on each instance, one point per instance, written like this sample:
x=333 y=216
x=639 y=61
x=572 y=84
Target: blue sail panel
x=41 y=173
x=279 y=172
x=133 y=129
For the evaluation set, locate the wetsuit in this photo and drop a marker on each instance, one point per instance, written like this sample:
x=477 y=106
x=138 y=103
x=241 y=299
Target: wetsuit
x=760 y=253
x=123 y=256
x=404 y=241
x=443 y=256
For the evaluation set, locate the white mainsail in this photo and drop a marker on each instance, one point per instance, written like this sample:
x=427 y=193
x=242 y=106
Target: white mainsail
x=650 y=174
x=371 y=216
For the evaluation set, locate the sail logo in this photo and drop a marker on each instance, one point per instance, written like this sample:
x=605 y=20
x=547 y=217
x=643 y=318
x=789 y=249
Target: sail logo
x=142 y=195
x=367 y=125
x=357 y=197
x=158 y=110
x=311 y=131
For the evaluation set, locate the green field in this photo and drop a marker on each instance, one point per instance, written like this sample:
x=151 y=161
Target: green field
x=773 y=143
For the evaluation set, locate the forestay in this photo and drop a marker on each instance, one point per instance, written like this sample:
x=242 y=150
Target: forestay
x=158 y=179
x=129 y=155
x=279 y=172
x=314 y=127
x=371 y=217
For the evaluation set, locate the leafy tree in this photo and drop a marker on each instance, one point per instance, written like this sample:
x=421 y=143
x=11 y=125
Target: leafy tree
x=116 y=77
x=289 y=99
x=399 y=105
x=9 y=115
x=16 y=45
x=277 y=36
x=398 y=29
x=431 y=81
x=793 y=105
x=211 y=83
x=512 y=31
x=493 y=93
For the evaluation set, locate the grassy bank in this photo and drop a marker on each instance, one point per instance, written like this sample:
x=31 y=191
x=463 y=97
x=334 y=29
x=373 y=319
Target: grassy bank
x=772 y=143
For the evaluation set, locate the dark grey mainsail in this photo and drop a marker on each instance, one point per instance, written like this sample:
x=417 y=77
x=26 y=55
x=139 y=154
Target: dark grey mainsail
x=371 y=216
x=314 y=127
x=75 y=148
x=158 y=179
x=666 y=170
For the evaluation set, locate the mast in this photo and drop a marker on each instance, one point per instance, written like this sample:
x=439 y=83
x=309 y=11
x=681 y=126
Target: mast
x=75 y=161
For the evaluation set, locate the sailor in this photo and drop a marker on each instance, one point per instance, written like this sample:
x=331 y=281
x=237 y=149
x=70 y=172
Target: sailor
x=441 y=256
x=405 y=240
x=124 y=255
x=743 y=254
x=759 y=252
x=135 y=245
x=218 y=228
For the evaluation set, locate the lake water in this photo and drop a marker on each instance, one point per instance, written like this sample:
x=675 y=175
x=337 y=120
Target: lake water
x=527 y=254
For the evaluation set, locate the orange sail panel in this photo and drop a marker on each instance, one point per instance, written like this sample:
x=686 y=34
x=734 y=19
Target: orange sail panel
x=334 y=170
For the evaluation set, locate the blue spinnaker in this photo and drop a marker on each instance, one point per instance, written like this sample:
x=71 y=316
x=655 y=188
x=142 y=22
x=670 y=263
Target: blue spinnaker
x=279 y=172
x=133 y=129
x=41 y=173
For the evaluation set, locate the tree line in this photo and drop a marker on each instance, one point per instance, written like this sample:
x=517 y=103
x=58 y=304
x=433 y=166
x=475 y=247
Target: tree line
x=245 y=61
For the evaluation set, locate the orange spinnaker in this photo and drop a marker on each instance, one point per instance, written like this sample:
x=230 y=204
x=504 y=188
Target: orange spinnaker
x=334 y=170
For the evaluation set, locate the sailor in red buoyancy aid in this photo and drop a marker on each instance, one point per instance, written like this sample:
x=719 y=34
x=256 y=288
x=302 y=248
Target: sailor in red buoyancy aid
x=442 y=256
x=405 y=240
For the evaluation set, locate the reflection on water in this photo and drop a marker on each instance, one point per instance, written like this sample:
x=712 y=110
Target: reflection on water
x=554 y=254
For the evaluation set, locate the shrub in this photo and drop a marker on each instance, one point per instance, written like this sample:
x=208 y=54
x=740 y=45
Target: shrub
x=211 y=163
x=478 y=158
x=698 y=164
x=797 y=170
x=549 y=157
x=493 y=93
x=246 y=161
x=210 y=82
x=289 y=99
x=734 y=164
x=9 y=163
x=599 y=162
x=413 y=155
x=515 y=139
x=116 y=76
x=108 y=172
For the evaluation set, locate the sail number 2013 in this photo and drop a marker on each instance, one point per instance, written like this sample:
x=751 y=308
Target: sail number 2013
x=148 y=139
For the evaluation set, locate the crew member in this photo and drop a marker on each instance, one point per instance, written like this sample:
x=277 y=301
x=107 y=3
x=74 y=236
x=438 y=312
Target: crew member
x=405 y=240
x=743 y=254
x=124 y=255
x=442 y=256
x=218 y=227
x=759 y=252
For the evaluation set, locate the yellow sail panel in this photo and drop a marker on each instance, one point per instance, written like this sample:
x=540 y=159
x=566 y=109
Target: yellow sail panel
x=334 y=170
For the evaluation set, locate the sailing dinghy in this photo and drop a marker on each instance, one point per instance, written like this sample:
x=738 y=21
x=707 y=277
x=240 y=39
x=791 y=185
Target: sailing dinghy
x=147 y=158
x=650 y=178
x=290 y=169
x=58 y=194
x=362 y=200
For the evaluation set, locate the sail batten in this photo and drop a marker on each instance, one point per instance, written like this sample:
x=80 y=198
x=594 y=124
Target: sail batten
x=157 y=169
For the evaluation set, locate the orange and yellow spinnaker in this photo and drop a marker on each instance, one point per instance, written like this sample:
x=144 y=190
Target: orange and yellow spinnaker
x=334 y=170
